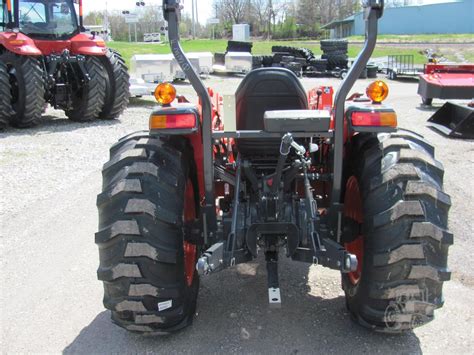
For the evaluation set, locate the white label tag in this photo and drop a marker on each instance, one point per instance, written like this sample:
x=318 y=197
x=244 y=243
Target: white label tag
x=165 y=305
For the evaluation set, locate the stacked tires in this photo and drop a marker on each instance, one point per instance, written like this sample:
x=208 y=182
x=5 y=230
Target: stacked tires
x=335 y=52
x=398 y=214
x=25 y=91
x=304 y=53
x=319 y=65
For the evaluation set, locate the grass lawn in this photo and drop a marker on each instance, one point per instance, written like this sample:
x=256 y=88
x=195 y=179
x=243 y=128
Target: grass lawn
x=259 y=47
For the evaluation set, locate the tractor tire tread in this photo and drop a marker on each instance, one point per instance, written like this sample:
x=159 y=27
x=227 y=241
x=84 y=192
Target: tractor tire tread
x=117 y=85
x=140 y=225
x=31 y=89
x=89 y=106
x=5 y=97
x=406 y=233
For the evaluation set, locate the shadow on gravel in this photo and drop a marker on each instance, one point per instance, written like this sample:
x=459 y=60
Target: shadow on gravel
x=142 y=102
x=233 y=316
x=53 y=124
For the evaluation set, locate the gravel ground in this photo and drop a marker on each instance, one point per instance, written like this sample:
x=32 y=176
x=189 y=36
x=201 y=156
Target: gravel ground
x=51 y=300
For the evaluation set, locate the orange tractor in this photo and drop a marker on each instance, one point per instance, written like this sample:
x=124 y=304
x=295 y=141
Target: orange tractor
x=46 y=57
x=319 y=178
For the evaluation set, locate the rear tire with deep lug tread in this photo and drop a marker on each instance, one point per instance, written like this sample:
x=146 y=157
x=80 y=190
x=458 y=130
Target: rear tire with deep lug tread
x=27 y=89
x=88 y=100
x=140 y=238
x=5 y=97
x=404 y=230
x=117 y=85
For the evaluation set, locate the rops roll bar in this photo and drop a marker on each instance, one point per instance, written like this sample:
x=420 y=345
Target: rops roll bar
x=172 y=14
x=373 y=10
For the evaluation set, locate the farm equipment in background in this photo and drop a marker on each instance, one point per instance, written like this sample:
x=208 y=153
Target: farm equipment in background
x=446 y=81
x=237 y=59
x=330 y=180
x=454 y=120
x=49 y=59
x=401 y=65
x=449 y=81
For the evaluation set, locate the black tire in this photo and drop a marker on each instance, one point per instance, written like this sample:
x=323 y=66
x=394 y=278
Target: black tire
x=329 y=44
x=319 y=64
x=278 y=57
x=257 y=61
x=294 y=67
x=296 y=52
x=27 y=89
x=141 y=235
x=427 y=101
x=392 y=75
x=5 y=96
x=404 y=232
x=336 y=61
x=267 y=60
x=117 y=91
x=88 y=99
x=336 y=52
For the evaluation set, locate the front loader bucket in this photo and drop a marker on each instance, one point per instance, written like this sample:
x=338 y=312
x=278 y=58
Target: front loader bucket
x=454 y=120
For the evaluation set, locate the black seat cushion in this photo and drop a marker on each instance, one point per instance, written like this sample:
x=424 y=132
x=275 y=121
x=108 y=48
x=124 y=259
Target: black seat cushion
x=266 y=89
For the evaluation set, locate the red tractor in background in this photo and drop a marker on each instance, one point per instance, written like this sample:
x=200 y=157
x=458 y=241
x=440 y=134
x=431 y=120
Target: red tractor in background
x=45 y=57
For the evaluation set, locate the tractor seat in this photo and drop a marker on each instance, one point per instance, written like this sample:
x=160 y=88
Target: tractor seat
x=266 y=89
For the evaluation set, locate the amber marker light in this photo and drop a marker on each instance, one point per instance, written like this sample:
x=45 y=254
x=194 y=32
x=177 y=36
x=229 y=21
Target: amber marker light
x=377 y=91
x=165 y=93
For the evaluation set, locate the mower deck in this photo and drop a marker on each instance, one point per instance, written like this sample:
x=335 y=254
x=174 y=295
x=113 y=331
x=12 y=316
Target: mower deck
x=447 y=82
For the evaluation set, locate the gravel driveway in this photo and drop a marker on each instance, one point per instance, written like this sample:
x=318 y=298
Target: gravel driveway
x=51 y=300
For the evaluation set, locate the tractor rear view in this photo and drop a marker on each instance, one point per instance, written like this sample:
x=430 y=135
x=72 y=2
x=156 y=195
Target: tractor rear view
x=45 y=58
x=320 y=180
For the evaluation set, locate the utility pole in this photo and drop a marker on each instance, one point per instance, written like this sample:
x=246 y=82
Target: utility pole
x=197 y=13
x=193 y=20
x=106 y=22
x=270 y=12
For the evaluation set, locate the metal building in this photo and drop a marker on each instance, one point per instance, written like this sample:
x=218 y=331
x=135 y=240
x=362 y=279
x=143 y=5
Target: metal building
x=449 y=17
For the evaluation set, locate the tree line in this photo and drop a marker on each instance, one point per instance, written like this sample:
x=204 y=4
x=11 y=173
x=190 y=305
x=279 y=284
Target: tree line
x=283 y=18
x=277 y=19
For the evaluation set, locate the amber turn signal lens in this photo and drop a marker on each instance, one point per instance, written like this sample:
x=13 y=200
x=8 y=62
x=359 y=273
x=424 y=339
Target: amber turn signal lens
x=377 y=91
x=17 y=42
x=165 y=93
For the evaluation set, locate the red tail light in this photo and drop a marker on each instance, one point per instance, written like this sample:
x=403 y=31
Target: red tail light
x=173 y=121
x=374 y=118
